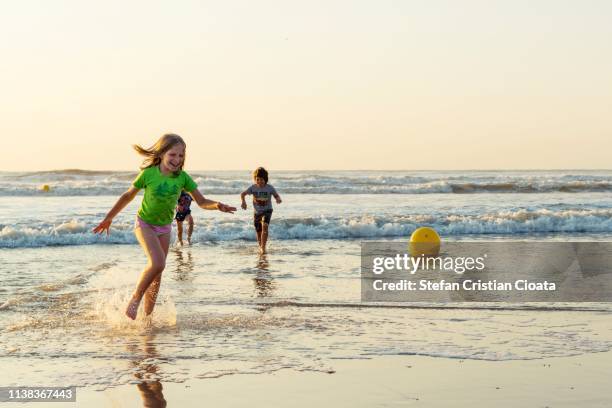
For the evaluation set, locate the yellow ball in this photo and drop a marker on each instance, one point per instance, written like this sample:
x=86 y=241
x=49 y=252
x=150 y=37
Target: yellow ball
x=45 y=187
x=424 y=241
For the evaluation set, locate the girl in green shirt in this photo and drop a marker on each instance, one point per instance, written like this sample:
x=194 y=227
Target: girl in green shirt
x=163 y=179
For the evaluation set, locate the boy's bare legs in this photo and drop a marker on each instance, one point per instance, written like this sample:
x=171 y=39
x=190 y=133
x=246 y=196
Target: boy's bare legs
x=189 y=228
x=264 y=237
x=258 y=237
x=150 y=296
x=153 y=248
x=179 y=231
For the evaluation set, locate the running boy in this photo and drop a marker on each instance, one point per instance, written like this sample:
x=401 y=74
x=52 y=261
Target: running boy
x=262 y=204
x=184 y=212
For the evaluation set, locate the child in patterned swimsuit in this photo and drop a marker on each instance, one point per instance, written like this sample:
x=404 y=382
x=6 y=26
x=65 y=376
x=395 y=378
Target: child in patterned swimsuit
x=183 y=212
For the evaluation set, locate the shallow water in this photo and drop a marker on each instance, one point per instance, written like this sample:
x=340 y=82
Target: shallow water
x=226 y=310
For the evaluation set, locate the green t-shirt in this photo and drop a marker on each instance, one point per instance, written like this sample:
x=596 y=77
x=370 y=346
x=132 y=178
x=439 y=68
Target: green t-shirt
x=161 y=194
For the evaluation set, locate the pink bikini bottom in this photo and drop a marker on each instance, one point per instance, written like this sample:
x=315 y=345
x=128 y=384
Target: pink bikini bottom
x=157 y=229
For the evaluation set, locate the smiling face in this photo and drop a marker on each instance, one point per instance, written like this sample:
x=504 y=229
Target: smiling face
x=172 y=160
x=260 y=181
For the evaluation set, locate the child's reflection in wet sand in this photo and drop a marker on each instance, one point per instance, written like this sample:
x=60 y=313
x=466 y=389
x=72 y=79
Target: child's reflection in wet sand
x=184 y=264
x=264 y=284
x=149 y=387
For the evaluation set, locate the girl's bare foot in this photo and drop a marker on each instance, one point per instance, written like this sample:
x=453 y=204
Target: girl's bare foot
x=132 y=309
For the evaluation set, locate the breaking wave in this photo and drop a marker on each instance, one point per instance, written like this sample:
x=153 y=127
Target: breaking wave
x=522 y=221
x=93 y=183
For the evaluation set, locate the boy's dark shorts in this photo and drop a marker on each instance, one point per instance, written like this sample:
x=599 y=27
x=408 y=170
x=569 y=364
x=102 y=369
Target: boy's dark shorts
x=180 y=216
x=264 y=216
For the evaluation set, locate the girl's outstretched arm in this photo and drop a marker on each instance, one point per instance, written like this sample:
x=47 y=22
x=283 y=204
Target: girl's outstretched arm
x=119 y=205
x=207 y=204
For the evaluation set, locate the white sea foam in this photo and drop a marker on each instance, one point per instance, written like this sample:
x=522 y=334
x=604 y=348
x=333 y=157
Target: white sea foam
x=111 y=292
x=520 y=221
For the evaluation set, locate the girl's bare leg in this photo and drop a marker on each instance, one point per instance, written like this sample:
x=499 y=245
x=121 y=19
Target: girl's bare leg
x=189 y=228
x=152 y=247
x=150 y=296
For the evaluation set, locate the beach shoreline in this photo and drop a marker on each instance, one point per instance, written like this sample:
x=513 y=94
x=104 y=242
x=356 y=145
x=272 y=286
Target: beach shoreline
x=391 y=381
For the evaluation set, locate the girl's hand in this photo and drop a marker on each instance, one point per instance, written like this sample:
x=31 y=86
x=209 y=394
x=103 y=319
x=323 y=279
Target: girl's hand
x=243 y=206
x=103 y=226
x=278 y=201
x=225 y=208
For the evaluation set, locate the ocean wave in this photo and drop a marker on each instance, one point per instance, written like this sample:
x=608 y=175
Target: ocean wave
x=521 y=221
x=88 y=183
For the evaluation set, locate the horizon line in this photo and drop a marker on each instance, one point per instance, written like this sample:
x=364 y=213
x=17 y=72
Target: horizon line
x=318 y=170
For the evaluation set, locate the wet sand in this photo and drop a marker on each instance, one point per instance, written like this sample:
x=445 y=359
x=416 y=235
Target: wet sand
x=389 y=381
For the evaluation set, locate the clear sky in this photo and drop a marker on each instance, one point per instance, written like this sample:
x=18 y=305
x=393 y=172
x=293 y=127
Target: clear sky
x=372 y=84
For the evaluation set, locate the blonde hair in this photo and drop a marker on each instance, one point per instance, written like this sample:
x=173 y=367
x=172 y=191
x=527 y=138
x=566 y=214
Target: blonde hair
x=153 y=155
